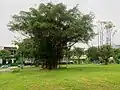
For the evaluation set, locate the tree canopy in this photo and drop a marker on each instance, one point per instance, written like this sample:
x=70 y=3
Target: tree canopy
x=53 y=28
x=93 y=53
x=102 y=54
x=78 y=52
x=106 y=51
x=4 y=54
x=26 y=47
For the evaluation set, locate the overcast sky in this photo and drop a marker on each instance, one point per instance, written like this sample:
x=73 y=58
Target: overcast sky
x=103 y=10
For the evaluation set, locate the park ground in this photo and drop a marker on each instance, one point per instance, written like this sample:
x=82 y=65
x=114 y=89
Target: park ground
x=75 y=77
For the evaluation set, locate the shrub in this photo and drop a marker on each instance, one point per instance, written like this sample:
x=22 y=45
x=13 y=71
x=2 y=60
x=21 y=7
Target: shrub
x=13 y=64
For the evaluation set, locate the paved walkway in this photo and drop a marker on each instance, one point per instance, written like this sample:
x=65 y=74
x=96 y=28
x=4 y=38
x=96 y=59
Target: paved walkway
x=6 y=69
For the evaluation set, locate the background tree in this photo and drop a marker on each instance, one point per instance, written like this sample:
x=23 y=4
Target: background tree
x=5 y=54
x=93 y=54
x=106 y=51
x=78 y=52
x=53 y=28
x=117 y=55
x=26 y=47
x=109 y=27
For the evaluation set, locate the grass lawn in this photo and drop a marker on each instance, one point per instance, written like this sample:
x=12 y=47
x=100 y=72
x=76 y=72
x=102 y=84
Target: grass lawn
x=76 y=77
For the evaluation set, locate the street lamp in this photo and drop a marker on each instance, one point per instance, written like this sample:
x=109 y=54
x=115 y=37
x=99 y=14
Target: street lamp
x=20 y=57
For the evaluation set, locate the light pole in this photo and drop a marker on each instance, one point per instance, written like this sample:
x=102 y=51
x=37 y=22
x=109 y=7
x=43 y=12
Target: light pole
x=20 y=54
x=21 y=60
x=113 y=36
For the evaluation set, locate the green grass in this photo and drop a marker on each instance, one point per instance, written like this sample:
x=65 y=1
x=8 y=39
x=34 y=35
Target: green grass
x=76 y=77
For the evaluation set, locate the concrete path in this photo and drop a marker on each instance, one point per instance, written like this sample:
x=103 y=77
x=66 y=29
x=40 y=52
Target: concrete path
x=6 y=69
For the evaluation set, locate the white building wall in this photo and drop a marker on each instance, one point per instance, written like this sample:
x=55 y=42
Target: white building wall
x=0 y=61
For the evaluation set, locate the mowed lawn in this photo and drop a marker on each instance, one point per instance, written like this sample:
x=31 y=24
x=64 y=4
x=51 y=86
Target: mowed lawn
x=75 y=77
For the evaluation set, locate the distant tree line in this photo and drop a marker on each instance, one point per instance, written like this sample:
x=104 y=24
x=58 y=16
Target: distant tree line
x=104 y=54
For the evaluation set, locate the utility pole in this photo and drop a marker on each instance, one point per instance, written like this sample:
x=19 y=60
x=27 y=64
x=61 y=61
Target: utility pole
x=100 y=33
x=105 y=32
x=113 y=37
x=109 y=30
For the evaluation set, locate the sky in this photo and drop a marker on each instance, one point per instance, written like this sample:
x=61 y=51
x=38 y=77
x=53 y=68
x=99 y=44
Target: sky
x=103 y=10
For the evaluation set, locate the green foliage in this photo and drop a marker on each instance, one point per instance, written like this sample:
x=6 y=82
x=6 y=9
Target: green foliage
x=101 y=54
x=93 y=53
x=53 y=28
x=117 y=55
x=14 y=64
x=4 y=54
x=26 y=47
x=106 y=51
x=78 y=52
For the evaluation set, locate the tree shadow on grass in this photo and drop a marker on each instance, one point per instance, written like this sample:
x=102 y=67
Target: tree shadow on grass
x=88 y=69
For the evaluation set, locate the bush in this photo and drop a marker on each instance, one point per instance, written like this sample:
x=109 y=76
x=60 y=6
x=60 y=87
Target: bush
x=0 y=65
x=14 y=64
x=15 y=70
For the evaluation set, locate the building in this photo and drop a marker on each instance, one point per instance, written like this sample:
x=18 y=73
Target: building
x=76 y=59
x=116 y=46
x=12 y=51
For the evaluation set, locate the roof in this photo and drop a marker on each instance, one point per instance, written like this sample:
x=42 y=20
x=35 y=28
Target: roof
x=82 y=57
x=6 y=47
x=10 y=48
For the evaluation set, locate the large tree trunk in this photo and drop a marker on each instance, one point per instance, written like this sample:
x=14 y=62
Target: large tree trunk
x=50 y=64
x=36 y=62
x=79 y=62
x=53 y=53
x=55 y=64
